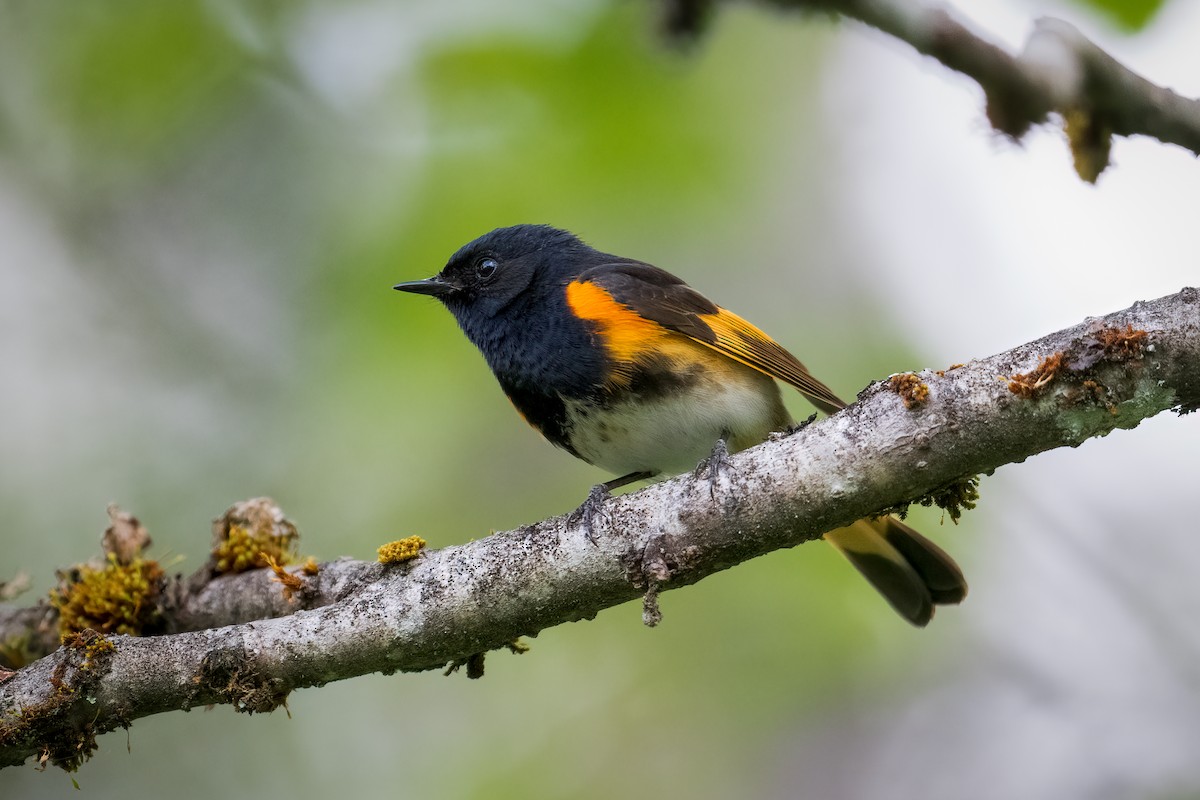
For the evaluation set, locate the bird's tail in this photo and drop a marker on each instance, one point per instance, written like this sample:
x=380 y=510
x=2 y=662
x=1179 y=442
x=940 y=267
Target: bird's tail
x=912 y=573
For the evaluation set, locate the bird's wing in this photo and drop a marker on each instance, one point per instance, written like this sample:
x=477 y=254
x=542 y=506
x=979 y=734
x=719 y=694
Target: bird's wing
x=658 y=296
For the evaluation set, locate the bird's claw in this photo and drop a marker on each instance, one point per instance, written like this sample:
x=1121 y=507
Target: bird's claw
x=716 y=463
x=590 y=509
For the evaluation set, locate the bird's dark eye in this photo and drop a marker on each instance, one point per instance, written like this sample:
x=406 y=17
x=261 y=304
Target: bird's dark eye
x=486 y=268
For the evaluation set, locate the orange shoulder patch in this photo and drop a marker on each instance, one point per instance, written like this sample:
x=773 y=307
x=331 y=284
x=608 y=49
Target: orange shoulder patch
x=627 y=334
x=628 y=338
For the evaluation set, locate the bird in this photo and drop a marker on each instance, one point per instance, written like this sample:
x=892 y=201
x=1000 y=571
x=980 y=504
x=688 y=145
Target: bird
x=625 y=366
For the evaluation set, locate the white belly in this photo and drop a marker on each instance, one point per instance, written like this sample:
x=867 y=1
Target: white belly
x=672 y=433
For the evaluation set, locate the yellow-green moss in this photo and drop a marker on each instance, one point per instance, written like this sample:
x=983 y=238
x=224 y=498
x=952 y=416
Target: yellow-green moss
x=291 y=583
x=250 y=534
x=953 y=498
x=401 y=550
x=91 y=645
x=114 y=598
x=912 y=391
x=245 y=548
x=956 y=497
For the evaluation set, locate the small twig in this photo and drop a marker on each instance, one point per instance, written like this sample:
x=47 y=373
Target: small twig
x=1059 y=70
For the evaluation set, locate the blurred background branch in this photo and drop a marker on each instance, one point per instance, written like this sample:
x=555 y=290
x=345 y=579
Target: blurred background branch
x=1059 y=70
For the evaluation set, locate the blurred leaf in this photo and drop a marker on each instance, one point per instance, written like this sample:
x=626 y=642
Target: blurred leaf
x=1131 y=15
x=608 y=121
x=129 y=82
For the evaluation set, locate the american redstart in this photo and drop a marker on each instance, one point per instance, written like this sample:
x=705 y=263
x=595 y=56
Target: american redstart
x=628 y=368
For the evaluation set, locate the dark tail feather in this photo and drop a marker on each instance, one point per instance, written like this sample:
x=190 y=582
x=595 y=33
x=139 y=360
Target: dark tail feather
x=912 y=573
x=937 y=569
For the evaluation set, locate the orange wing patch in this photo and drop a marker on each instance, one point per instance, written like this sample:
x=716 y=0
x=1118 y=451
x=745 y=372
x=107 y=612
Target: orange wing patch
x=740 y=340
x=630 y=337
x=627 y=335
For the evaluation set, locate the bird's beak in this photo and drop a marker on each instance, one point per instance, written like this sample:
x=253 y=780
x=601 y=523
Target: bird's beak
x=434 y=287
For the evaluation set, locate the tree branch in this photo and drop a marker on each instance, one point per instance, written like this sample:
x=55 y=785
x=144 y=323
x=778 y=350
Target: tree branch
x=1059 y=70
x=450 y=605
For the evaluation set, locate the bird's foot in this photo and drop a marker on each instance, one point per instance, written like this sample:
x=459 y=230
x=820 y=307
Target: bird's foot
x=593 y=508
x=589 y=510
x=716 y=463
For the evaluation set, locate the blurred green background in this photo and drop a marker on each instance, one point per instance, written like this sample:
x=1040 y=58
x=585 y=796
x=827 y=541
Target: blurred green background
x=203 y=206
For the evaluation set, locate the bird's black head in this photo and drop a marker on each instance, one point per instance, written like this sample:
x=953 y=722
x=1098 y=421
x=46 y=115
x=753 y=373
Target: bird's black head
x=485 y=276
x=507 y=291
